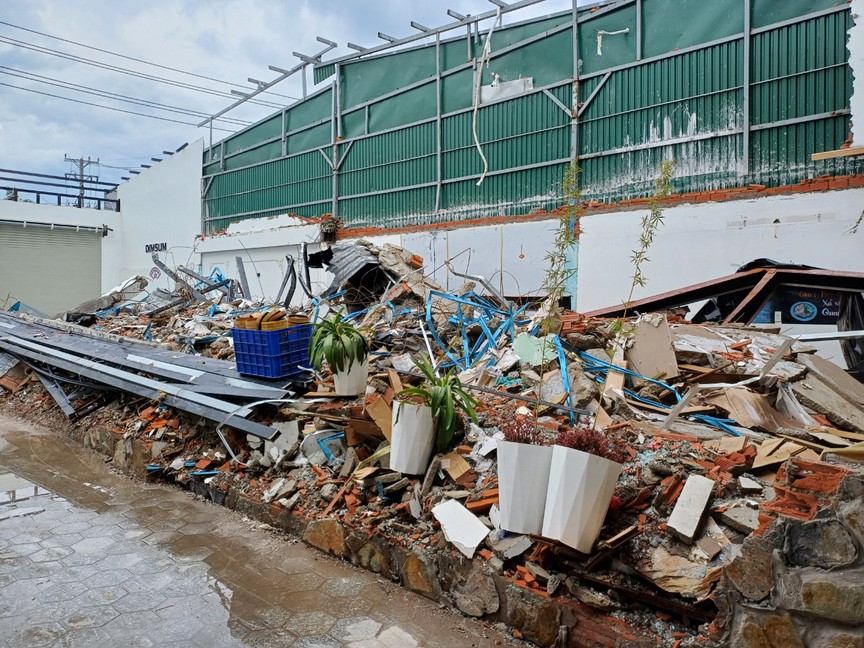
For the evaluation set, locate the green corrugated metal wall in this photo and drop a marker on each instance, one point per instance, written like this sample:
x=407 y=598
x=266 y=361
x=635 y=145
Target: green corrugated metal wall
x=684 y=99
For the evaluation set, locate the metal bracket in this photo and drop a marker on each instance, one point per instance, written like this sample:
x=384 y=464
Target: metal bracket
x=558 y=103
x=338 y=165
x=587 y=102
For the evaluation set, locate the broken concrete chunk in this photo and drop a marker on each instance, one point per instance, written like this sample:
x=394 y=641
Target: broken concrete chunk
x=820 y=397
x=461 y=527
x=651 y=353
x=511 y=546
x=740 y=518
x=749 y=486
x=690 y=508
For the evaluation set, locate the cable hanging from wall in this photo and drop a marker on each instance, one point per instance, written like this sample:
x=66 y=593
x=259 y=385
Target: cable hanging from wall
x=484 y=61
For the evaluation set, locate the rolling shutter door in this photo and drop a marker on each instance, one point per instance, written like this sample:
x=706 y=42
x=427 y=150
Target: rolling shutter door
x=49 y=270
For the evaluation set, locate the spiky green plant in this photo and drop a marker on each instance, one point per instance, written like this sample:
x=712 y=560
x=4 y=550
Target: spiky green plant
x=558 y=270
x=338 y=342
x=444 y=395
x=651 y=223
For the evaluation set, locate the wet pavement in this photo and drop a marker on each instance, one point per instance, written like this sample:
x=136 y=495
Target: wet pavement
x=90 y=558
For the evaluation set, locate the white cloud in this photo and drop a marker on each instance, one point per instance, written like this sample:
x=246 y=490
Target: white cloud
x=224 y=39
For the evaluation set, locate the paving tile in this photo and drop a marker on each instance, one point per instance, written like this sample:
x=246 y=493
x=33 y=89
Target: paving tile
x=88 y=617
x=310 y=623
x=142 y=568
x=318 y=642
x=355 y=629
x=38 y=635
x=343 y=586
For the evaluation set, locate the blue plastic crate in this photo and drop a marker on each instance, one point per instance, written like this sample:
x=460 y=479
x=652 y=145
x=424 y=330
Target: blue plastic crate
x=272 y=354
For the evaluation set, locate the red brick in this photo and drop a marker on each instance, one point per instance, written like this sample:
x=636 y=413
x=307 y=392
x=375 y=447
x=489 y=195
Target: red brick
x=800 y=506
x=813 y=476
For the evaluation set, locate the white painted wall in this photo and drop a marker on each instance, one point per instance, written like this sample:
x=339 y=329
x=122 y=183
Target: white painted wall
x=855 y=45
x=709 y=240
x=518 y=248
x=695 y=243
x=162 y=204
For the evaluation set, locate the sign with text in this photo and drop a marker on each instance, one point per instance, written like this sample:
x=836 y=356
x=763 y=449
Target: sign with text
x=150 y=248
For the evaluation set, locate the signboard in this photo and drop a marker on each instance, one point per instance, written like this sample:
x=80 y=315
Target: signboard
x=150 y=248
x=807 y=305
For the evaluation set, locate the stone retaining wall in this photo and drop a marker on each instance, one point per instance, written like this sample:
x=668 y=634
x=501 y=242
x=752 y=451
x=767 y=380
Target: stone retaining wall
x=801 y=582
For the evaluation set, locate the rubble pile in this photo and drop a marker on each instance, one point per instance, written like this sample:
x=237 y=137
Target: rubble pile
x=731 y=442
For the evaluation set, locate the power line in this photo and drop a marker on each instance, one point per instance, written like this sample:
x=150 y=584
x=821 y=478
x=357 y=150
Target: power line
x=114 y=68
x=31 y=76
x=128 y=112
x=137 y=60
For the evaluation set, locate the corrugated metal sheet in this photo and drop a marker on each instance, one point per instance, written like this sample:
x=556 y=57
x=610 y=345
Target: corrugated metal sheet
x=686 y=105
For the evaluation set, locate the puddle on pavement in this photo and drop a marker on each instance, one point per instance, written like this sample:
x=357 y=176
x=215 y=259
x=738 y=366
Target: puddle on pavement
x=102 y=560
x=14 y=489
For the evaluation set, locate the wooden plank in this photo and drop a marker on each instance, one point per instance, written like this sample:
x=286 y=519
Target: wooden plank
x=852 y=151
x=696 y=409
x=382 y=414
x=751 y=410
x=776 y=451
x=615 y=379
x=395 y=381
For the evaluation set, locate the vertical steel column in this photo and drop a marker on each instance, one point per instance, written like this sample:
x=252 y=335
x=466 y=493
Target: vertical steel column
x=638 y=30
x=574 y=117
x=211 y=141
x=745 y=105
x=284 y=132
x=336 y=131
x=303 y=73
x=222 y=155
x=438 y=124
x=572 y=261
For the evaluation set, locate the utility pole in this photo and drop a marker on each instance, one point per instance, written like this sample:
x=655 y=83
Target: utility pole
x=80 y=165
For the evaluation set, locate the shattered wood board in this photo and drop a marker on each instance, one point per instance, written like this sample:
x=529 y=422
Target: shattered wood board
x=615 y=379
x=382 y=414
x=455 y=465
x=818 y=396
x=774 y=452
x=834 y=377
x=726 y=445
x=829 y=438
x=751 y=410
x=651 y=353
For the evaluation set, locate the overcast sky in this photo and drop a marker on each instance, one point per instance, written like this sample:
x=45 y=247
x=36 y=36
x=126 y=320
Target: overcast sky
x=228 y=40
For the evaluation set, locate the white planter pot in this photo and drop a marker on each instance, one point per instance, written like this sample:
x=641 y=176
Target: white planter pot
x=352 y=381
x=412 y=438
x=580 y=488
x=523 y=477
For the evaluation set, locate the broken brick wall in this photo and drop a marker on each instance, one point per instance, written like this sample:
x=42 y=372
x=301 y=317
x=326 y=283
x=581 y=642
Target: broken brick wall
x=799 y=581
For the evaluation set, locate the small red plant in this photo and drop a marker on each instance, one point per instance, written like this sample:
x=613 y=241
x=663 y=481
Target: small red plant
x=523 y=430
x=593 y=442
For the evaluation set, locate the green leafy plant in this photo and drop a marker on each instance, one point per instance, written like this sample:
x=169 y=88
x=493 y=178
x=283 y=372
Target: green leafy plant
x=558 y=269
x=339 y=342
x=651 y=223
x=444 y=395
